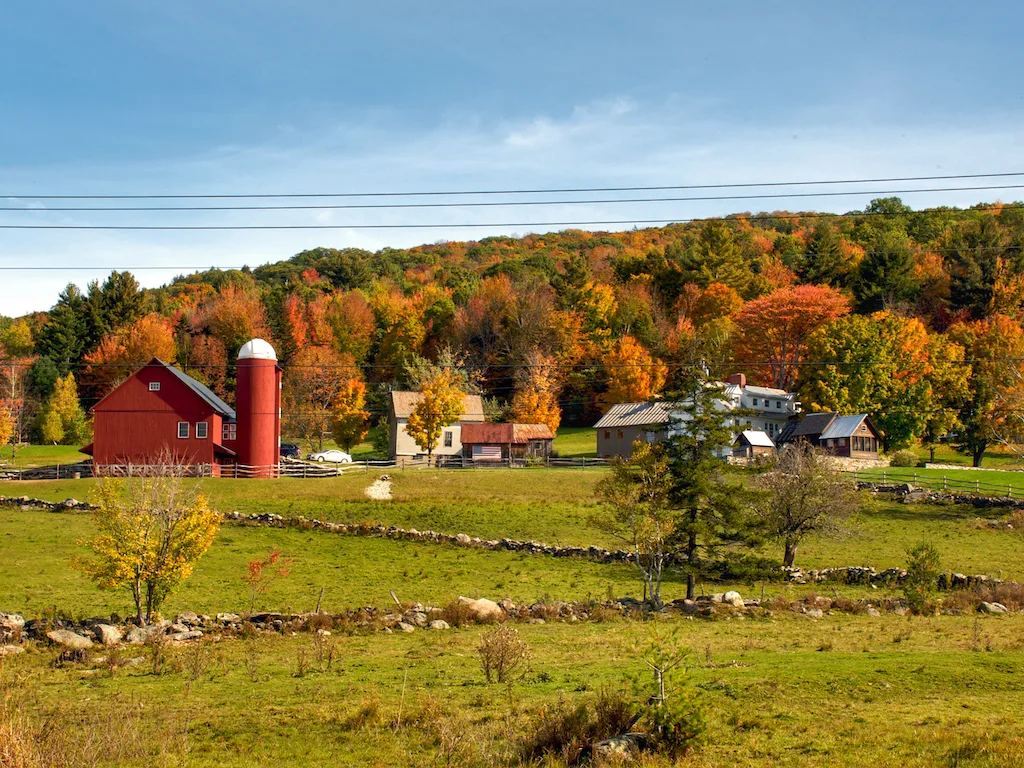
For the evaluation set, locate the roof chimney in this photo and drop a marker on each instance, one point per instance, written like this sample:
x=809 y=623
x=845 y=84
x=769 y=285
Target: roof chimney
x=739 y=379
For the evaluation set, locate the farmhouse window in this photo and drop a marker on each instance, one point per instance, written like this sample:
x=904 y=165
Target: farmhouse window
x=755 y=402
x=620 y=434
x=183 y=429
x=201 y=429
x=778 y=403
x=448 y=438
x=650 y=437
x=229 y=432
x=154 y=386
x=607 y=434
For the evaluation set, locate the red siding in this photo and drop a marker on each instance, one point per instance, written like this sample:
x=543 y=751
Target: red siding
x=133 y=424
x=258 y=404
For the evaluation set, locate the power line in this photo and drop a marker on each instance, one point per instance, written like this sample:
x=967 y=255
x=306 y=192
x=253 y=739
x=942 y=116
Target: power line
x=508 y=203
x=538 y=191
x=490 y=225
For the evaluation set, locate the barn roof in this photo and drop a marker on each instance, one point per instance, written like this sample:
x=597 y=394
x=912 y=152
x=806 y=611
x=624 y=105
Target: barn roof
x=636 y=415
x=404 y=403
x=503 y=434
x=200 y=389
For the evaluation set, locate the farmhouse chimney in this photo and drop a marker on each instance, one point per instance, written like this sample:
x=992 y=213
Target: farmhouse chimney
x=739 y=379
x=258 y=408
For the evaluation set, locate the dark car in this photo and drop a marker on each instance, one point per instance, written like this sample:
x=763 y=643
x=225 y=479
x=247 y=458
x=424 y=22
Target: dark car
x=289 y=450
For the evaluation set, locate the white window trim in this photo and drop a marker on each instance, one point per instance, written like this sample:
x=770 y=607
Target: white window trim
x=187 y=427
x=154 y=386
x=204 y=428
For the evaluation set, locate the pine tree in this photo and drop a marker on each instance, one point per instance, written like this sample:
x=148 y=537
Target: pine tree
x=886 y=276
x=824 y=261
x=709 y=504
x=64 y=337
x=715 y=258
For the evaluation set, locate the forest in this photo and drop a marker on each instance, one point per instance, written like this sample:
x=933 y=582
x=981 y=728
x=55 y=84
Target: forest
x=911 y=316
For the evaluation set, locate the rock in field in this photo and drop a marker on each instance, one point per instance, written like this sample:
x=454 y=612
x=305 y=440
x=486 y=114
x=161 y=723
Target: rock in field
x=733 y=598
x=11 y=624
x=107 y=634
x=483 y=609
x=11 y=650
x=438 y=624
x=992 y=607
x=406 y=627
x=70 y=640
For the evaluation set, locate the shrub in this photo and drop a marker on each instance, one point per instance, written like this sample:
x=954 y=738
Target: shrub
x=922 y=574
x=458 y=614
x=565 y=730
x=677 y=724
x=503 y=655
x=903 y=458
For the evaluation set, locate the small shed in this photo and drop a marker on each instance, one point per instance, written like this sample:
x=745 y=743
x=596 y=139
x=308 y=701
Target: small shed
x=501 y=442
x=751 y=443
x=854 y=436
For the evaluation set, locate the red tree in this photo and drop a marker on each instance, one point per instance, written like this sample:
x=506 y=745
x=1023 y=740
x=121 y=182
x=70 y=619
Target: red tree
x=772 y=331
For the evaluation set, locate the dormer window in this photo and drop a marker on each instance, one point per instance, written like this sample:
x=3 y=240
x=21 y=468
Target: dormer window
x=154 y=386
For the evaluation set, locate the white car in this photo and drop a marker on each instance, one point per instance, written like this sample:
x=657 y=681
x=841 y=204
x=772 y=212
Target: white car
x=333 y=455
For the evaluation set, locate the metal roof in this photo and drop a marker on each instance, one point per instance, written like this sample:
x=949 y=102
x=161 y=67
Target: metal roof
x=404 y=402
x=757 y=437
x=503 y=434
x=636 y=415
x=843 y=426
x=202 y=390
x=811 y=425
x=769 y=392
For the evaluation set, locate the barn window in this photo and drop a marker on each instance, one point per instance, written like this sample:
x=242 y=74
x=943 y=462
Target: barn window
x=229 y=431
x=183 y=429
x=448 y=438
x=154 y=386
x=201 y=428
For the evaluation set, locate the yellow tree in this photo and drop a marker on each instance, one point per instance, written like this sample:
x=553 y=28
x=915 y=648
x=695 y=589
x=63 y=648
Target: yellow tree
x=441 y=404
x=536 y=396
x=633 y=374
x=62 y=420
x=6 y=425
x=349 y=414
x=151 y=531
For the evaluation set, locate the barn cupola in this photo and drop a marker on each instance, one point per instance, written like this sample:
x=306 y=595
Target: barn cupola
x=258 y=408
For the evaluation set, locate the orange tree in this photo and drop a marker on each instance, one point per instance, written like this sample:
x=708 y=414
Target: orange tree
x=441 y=404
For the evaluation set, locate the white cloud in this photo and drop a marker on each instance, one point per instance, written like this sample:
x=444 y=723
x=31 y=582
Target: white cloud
x=609 y=143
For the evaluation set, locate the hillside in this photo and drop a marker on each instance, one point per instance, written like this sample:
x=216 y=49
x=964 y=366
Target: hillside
x=875 y=310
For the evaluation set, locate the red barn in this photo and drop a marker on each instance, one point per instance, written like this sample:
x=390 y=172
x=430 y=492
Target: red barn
x=161 y=410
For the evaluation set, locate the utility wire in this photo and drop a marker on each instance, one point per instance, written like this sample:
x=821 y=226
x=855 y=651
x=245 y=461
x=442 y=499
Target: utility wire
x=508 y=203
x=539 y=191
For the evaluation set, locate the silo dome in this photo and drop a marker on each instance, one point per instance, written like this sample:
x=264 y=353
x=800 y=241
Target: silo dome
x=257 y=349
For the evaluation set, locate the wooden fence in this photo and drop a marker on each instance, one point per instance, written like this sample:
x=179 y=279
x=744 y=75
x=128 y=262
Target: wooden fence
x=935 y=482
x=303 y=469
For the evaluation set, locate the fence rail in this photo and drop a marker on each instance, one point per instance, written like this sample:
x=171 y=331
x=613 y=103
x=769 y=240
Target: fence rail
x=296 y=468
x=935 y=482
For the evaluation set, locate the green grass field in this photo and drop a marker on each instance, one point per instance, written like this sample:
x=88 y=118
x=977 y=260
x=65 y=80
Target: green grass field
x=29 y=456
x=779 y=691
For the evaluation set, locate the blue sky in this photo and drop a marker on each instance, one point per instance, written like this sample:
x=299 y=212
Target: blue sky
x=112 y=97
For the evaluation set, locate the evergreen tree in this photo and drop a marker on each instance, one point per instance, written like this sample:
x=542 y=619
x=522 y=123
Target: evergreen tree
x=715 y=257
x=824 y=261
x=64 y=337
x=886 y=276
x=976 y=249
x=709 y=503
